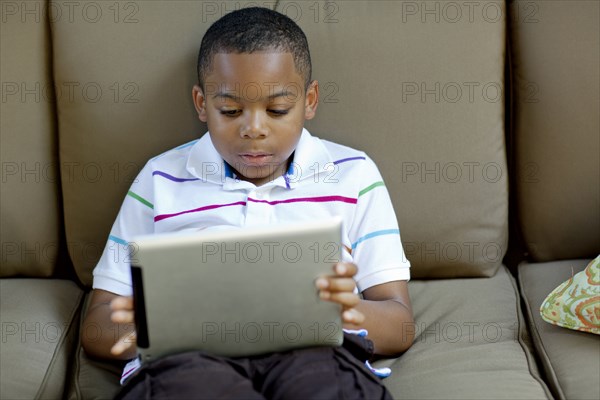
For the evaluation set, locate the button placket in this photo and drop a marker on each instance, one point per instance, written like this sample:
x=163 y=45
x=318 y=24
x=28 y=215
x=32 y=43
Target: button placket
x=258 y=212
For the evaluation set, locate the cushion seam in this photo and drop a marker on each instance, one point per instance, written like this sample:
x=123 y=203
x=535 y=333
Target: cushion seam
x=59 y=347
x=538 y=343
x=526 y=350
x=77 y=361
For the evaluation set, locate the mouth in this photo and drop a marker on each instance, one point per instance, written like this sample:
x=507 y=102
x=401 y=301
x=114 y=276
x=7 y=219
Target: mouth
x=256 y=158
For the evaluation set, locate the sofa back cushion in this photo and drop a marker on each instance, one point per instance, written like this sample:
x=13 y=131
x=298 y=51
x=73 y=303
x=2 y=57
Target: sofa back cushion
x=556 y=73
x=126 y=72
x=421 y=93
x=30 y=228
x=419 y=86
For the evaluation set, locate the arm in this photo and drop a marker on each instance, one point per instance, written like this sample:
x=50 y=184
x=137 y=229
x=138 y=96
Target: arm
x=108 y=329
x=388 y=317
x=109 y=318
x=385 y=311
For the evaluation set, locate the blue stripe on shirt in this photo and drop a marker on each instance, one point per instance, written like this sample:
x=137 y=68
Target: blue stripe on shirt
x=118 y=240
x=375 y=234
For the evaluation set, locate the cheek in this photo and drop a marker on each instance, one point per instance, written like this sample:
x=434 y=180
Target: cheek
x=221 y=124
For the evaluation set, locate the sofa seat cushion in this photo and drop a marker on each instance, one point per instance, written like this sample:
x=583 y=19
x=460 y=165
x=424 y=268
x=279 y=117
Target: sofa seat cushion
x=94 y=379
x=471 y=343
x=91 y=378
x=571 y=359
x=39 y=322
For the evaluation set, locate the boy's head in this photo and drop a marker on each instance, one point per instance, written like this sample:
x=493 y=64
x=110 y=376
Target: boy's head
x=255 y=91
x=251 y=30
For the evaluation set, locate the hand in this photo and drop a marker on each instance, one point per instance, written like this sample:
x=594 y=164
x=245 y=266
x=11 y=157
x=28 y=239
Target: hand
x=122 y=313
x=339 y=288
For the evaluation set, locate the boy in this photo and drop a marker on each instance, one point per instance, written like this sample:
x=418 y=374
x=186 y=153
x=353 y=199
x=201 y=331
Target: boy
x=258 y=165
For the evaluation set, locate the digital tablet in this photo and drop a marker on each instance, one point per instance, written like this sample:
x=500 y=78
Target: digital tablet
x=237 y=292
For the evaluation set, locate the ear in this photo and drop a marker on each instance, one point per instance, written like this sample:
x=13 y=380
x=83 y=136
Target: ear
x=199 y=102
x=312 y=100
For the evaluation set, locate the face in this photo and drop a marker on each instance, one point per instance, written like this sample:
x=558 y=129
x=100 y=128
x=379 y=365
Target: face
x=255 y=106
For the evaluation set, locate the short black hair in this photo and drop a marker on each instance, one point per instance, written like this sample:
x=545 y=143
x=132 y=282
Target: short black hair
x=250 y=30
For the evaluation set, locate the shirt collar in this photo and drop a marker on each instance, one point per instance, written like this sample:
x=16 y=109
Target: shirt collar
x=205 y=163
x=310 y=159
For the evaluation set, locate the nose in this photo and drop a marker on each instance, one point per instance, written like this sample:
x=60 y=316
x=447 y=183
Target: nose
x=254 y=126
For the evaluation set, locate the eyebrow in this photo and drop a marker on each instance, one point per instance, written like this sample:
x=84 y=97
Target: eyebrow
x=225 y=95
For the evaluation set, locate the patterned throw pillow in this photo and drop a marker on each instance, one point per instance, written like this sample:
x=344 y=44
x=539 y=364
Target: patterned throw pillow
x=575 y=304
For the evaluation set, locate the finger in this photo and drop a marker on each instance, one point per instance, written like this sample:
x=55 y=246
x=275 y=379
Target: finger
x=122 y=303
x=336 y=284
x=345 y=269
x=340 y=284
x=347 y=300
x=119 y=348
x=124 y=344
x=122 y=317
x=353 y=316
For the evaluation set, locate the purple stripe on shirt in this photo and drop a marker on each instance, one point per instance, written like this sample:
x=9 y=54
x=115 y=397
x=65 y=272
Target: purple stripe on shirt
x=343 y=160
x=172 y=178
x=322 y=199
x=210 y=207
x=129 y=371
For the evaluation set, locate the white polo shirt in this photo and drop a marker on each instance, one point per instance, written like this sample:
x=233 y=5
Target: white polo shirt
x=192 y=188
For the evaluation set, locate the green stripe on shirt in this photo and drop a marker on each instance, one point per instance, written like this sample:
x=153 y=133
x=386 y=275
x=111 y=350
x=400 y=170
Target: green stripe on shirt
x=140 y=199
x=370 y=187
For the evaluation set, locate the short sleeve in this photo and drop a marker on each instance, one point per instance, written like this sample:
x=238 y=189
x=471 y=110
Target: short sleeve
x=136 y=217
x=374 y=234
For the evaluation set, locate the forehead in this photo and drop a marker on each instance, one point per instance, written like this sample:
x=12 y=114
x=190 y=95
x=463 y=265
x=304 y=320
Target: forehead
x=266 y=67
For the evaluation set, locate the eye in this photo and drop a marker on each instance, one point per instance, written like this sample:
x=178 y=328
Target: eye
x=230 y=113
x=278 y=112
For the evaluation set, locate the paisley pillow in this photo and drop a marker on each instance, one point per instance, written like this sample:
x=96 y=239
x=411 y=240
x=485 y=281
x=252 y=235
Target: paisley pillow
x=575 y=304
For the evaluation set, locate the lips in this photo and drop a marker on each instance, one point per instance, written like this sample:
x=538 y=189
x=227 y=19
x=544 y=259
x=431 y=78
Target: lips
x=256 y=158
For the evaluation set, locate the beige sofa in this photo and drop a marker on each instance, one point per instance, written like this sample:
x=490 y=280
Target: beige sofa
x=482 y=116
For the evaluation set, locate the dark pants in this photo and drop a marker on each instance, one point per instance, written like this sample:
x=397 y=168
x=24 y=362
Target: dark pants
x=315 y=373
